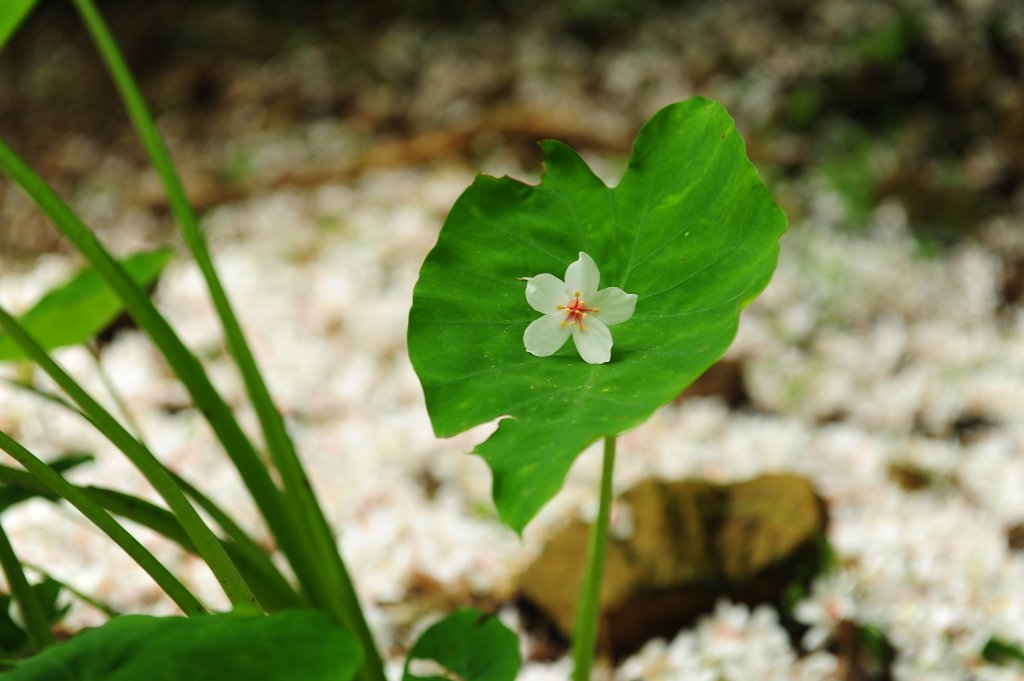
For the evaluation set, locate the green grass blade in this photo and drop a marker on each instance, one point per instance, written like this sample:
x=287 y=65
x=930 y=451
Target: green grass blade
x=254 y=560
x=12 y=13
x=267 y=583
x=251 y=553
x=207 y=543
x=246 y=553
x=36 y=626
x=27 y=485
x=312 y=522
x=186 y=366
x=272 y=589
x=41 y=394
x=81 y=500
x=17 y=485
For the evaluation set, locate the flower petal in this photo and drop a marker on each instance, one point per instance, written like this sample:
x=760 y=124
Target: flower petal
x=613 y=304
x=582 y=276
x=545 y=292
x=544 y=336
x=594 y=343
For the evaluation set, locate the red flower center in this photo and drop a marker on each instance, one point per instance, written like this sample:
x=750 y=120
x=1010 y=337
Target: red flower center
x=576 y=311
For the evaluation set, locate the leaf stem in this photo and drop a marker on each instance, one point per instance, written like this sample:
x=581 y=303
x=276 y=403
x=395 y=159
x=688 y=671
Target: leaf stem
x=115 y=393
x=81 y=500
x=588 y=608
x=36 y=624
x=42 y=394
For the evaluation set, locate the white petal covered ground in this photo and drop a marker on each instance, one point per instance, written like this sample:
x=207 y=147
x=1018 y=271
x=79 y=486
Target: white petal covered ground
x=861 y=354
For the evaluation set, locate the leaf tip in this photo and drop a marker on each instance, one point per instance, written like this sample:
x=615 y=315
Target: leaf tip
x=562 y=162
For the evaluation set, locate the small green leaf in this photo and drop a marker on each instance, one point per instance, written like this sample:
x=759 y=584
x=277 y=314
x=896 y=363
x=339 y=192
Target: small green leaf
x=12 y=13
x=291 y=645
x=690 y=229
x=468 y=645
x=876 y=643
x=13 y=639
x=1001 y=651
x=79 y=309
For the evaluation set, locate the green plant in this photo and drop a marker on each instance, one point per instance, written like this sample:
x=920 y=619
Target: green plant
x=248 y=577
x=670 y=257
x=690 y=232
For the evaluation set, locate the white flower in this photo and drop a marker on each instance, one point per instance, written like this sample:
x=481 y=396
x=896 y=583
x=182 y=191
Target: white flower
x=575 y=308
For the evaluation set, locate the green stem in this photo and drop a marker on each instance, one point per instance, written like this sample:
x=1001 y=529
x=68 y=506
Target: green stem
x=36 y=624
x=42 y=394
x=81 y=500
x=324 y=573
x=270 y=587
x=115 y=394
x=206 y=542
x=105 y=608
x=588 y=608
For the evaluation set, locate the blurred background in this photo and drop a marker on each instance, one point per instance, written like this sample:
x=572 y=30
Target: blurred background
x=915 y=101
x=323 y=143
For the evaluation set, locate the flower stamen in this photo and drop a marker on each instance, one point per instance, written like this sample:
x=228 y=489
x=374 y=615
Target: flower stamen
x=576 y=311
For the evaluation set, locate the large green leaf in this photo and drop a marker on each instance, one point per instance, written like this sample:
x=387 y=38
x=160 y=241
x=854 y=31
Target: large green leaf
x=469 y=645
x=690 y=228
x=77 y=310
x=292 y=645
